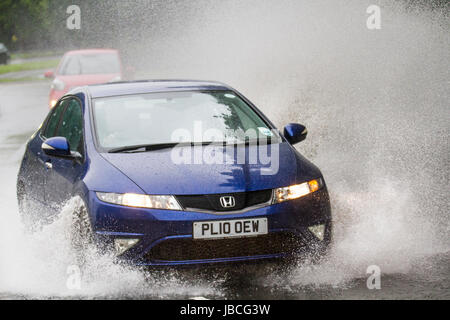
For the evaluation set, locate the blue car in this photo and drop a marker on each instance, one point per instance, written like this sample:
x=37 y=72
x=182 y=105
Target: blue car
x=174 y=172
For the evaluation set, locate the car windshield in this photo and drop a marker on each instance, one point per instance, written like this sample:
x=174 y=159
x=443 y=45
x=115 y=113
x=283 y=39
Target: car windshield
x=173 y=117
x=98 y=63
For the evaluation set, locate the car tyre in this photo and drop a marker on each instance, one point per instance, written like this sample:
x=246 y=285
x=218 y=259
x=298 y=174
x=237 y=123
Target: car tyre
x=81 y=233
x=25 y=207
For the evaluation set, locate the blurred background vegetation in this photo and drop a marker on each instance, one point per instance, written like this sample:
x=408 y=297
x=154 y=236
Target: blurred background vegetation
x=41 y=24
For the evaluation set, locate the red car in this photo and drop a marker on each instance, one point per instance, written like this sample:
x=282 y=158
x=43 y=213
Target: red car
x=84 y=67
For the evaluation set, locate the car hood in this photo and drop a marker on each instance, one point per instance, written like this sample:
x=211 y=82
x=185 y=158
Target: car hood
x=155 y=172
x=87 y=79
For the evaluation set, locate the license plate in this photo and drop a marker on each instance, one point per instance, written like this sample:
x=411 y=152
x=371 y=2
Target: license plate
x=230 y=228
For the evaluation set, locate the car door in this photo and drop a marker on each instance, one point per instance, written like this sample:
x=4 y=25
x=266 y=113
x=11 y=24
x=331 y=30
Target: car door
x=63 y=173
x=36 y=170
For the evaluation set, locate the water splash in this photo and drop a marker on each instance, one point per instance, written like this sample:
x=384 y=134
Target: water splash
x=39 y=265
x=375 y=103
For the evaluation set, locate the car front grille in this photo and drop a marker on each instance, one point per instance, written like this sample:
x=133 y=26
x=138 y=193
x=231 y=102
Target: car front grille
x=211 y=202
x=190 y=249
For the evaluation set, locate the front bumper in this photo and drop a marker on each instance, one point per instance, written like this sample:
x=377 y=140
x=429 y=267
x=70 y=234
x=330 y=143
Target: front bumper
x=165 y=237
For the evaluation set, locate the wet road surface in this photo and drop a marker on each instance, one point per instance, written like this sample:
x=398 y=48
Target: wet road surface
x=34 y=266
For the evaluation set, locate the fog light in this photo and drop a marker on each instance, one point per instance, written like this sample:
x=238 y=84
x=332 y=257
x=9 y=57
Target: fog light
x=318 y=231
x=122 y=245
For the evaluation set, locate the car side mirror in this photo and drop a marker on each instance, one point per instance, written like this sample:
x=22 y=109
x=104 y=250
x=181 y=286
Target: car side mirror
x=49 y=74
x=59 y=147
x=295 y=133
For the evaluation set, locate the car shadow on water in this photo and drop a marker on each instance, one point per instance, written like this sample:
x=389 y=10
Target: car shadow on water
x=427 y=279
x=244 y=281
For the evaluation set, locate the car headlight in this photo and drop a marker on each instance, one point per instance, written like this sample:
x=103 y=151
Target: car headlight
x=58 y=85
x=140 y=200
x=297 y=191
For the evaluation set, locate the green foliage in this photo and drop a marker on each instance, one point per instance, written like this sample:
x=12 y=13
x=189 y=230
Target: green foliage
x=41 y=24
x=25 y=20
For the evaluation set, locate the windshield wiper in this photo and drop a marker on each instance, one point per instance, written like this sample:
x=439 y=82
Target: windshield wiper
x=161 y=146
x=145 y=147
x=157 y=146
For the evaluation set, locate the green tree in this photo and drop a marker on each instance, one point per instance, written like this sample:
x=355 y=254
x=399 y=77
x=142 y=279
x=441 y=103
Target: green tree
x=24 y=19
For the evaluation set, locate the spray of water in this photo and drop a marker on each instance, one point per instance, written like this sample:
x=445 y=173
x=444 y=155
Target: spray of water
x=44 y=264
x=375 y=103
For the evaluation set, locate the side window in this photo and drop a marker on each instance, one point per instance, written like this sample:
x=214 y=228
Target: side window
x=53 y=120
x=71 y=126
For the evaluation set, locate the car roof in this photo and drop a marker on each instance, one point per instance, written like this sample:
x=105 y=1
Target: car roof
x=90 y=51
x=150 y=86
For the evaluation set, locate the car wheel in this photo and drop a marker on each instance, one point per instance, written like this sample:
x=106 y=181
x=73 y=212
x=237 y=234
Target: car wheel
x=81 y=233
x=25 y=208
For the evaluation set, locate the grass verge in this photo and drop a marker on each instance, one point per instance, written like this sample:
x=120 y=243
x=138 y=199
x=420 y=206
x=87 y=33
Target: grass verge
x=23 y=79
x=35 y=54
x=33 y=65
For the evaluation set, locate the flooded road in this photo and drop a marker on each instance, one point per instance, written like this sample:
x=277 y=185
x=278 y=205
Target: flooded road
x=35 y=266
x=376 y=105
